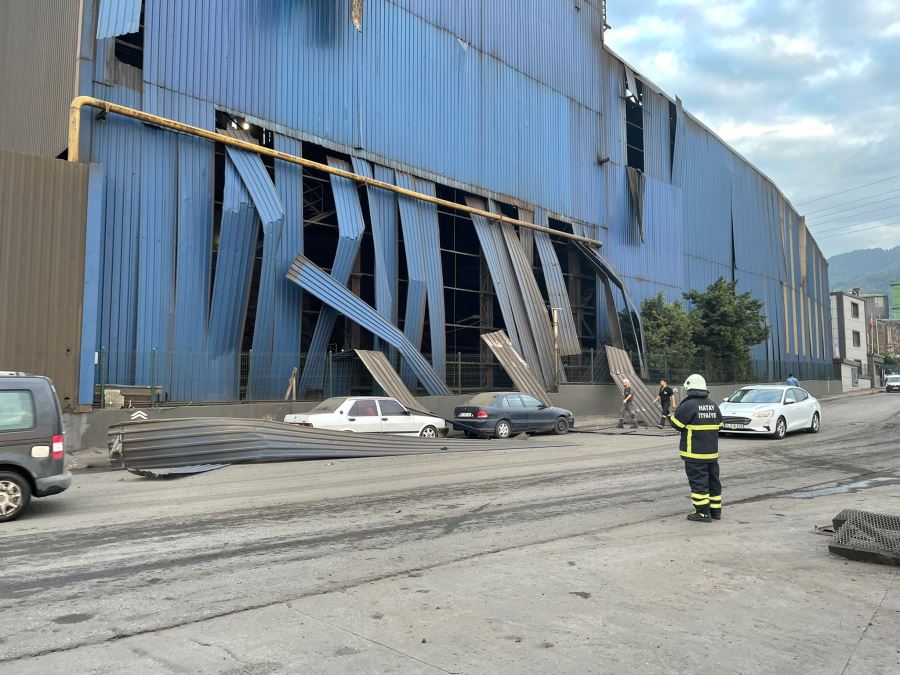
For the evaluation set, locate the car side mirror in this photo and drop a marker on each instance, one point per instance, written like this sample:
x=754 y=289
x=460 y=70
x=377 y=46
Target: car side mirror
x=542 y=407
x=407 y=413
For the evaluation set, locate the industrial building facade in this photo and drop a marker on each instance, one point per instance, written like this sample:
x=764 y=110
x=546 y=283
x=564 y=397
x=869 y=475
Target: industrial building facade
x=511 y=107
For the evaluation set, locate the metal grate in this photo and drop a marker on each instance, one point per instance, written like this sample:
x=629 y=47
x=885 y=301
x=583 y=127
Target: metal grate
x=868 y=537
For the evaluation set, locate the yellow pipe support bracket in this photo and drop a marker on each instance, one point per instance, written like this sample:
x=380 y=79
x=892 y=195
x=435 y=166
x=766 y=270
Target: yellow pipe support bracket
x=107 y=107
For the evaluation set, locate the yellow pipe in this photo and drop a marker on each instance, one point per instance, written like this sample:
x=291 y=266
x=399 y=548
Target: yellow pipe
x=75 y=135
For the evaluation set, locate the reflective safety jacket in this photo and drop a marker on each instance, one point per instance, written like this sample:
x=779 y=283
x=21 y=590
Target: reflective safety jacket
x=698 y=419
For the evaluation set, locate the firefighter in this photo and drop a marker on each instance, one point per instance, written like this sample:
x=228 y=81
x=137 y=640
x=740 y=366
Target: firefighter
x=698 y=419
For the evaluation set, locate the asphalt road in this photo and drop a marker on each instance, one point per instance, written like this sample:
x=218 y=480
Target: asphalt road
x=570 y=557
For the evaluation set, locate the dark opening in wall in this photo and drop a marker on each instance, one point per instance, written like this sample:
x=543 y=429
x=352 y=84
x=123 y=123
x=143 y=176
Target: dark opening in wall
x=673 y=129
x=634 y=125
x=129 y=48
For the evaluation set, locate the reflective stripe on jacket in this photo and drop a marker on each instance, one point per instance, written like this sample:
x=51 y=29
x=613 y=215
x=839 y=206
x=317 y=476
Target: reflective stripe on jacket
x=698 y=419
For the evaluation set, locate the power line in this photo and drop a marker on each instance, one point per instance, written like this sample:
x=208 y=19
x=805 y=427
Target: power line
x=840 y=204
x=844 y=226
x=880 y=209
x=864 y=229
x=859 y=187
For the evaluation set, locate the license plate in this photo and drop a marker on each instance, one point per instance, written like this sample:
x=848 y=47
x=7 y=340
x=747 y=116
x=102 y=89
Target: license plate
x=733 y=426
x=464 y=414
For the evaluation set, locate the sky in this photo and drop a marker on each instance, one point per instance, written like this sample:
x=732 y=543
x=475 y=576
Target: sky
x=807 y=90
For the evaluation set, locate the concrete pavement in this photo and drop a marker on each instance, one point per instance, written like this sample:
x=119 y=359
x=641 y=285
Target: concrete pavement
x=571 y=559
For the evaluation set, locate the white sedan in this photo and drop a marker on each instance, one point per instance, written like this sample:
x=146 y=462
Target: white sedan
x=771 y=409
x=369 y=415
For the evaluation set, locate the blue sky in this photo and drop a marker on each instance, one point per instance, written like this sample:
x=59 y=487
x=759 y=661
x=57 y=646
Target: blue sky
x=808 y=90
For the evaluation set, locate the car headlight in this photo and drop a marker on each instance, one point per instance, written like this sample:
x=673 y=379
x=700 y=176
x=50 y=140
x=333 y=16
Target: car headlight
x=764 y=413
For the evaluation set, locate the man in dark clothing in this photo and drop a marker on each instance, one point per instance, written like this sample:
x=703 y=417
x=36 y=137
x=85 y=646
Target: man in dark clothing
x=627 y=406
x=699 y=420
x=665 y=399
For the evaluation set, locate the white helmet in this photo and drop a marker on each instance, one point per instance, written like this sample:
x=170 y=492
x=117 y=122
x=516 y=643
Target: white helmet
x=695 y=382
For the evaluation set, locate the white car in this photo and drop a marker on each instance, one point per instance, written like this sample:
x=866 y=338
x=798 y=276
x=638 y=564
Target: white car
x=771 y=409
x=369 y=415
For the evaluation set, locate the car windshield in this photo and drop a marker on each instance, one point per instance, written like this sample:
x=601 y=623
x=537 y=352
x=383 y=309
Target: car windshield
x=893 y=379
x=328 y=405
x=756 y=396
x=482 y=399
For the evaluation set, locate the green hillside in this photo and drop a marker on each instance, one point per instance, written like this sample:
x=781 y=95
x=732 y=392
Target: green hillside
x=870 y=269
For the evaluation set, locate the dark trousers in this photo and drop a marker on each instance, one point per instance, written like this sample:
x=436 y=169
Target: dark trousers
x=666 y=409
x=706 y=489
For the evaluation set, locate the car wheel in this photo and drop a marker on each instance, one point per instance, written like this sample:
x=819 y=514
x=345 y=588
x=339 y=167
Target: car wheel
x=15 y=494
x=780 y=428
x=428 y=432
x=814 y=424
x=561 y=426
x=503 y=429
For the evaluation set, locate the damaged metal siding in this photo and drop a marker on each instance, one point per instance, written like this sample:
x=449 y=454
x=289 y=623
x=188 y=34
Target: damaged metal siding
x=518 y=369
x=387 y=378
x=340 y=299
x=118 y=17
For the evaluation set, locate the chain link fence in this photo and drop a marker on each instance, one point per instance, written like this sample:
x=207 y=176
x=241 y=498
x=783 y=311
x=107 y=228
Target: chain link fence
x=157 y=377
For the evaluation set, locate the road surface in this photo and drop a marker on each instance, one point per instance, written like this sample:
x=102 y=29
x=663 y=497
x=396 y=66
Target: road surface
x=572 y=558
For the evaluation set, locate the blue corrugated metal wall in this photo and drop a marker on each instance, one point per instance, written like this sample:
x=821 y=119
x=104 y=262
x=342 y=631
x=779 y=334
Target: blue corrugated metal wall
x=506 y=101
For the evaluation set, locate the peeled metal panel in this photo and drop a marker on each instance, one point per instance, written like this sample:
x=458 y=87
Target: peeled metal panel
x=118 y=17
x=417 y=285
x=516 y=367
x=231 y=287
x=288 y=296
x=309 y=277
x=258 y=182
x=434 y=275
x=198 y=441
x=636 y=189
x=556 y=290
x=506 y=286
x=657 y=153
x=156 y=258
x=383 y=214
x=620 y=368
x=351 y=226
x=535 y=307
x=385 y=375
x=43 y=213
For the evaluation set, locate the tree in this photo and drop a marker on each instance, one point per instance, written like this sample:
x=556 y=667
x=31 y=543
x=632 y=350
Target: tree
x=668 y=333
x=726 y=325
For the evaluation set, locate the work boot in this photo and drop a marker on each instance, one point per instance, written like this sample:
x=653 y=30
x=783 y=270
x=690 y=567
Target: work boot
x=698 y=517
x=715 y=514
x=634 y=425
x=620 y=425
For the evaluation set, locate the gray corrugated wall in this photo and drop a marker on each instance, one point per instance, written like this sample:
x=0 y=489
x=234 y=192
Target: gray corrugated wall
x=37 y=73
x=43 y=206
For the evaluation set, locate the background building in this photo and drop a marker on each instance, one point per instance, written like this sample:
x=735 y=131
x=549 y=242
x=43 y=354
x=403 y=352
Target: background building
x=188 y=243
x=895 y=300
x=849 y=330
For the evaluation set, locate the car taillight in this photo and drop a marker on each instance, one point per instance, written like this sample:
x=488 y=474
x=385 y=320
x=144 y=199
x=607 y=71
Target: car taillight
x=58 y=450
x=481 y=413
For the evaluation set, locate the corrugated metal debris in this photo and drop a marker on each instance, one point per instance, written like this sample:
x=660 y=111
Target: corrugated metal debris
x=118 y=17
x=517 y=368
x=620 y=368
x=177 y=472
x=385 y=375
x=170 y=444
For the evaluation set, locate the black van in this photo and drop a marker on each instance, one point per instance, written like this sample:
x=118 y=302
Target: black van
x=32 y=453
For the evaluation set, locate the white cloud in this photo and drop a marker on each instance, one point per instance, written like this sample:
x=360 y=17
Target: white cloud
x=643 y=28
x=796 y=45
x=803 y=128
x=891 y=31
x=667 y=63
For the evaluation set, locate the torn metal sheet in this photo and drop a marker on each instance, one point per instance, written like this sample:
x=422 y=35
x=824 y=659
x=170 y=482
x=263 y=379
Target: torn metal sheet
x=310 y=278
x=557 y=291
x=356 y=14
x=620 y=368
x=518 y=369
x=176 y=472
x=192 y=442
x=636 y=189
x=118 y=17
x=385 y=375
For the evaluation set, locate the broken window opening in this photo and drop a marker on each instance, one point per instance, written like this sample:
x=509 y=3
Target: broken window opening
x=634 y=124
x=129 y=48
x=673 y=129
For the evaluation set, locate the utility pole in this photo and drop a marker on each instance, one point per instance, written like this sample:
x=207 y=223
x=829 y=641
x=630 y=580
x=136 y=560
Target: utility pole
x=556 y=347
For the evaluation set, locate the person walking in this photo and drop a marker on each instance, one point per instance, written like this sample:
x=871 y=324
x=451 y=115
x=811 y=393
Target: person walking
x=666 y=398
x=699 y=419
x=627 y=405
x=792 y=381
